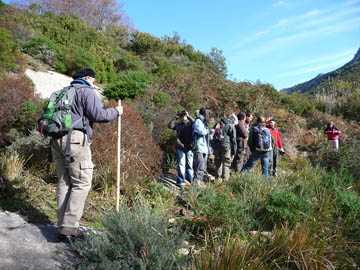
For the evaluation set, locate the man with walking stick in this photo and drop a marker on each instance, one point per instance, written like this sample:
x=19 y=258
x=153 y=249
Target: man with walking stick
x=68 y=119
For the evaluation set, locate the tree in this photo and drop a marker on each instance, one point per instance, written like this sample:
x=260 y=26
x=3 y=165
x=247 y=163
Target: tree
x=218 y=60
x=97 y=13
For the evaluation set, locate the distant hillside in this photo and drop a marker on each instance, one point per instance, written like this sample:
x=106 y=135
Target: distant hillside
x=348 y=72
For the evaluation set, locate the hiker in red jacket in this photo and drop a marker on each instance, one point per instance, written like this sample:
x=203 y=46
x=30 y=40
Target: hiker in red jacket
x=333 y=135
x=278 y=146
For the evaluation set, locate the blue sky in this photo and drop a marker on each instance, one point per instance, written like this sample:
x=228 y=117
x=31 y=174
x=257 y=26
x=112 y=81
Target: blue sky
x=282 y=42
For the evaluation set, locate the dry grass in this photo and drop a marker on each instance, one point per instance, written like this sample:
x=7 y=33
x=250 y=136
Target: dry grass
x=11 y=165
x=282 y=249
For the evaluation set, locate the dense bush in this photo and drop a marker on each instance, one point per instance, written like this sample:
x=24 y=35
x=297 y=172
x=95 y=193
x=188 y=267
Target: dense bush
x=128 y=85
x=8 y=51
x=141 y=157
x=43 y=49
x=348 y=204
x=144 y=42
x=298 y=103
x=16 y=92
x=219 y=209
x=161 y=99
x=133 y=238
x=286 y=207
x=127 y=61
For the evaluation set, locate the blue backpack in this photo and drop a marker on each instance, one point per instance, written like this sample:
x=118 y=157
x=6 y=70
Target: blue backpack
x=261 y=139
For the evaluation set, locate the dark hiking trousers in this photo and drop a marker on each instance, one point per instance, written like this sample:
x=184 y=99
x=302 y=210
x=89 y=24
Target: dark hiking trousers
x=273 y=161
x=239 y=160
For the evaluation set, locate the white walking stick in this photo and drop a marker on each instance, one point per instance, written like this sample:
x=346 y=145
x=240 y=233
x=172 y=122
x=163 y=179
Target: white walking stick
x=118 y=162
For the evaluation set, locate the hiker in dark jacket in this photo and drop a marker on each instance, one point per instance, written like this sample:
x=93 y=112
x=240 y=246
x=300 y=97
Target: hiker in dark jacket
x=278 y=146
x=242 y=134
x=260 y=144
x=224 y=142
x=333 y=135
x=75 y=175
x=184 y=144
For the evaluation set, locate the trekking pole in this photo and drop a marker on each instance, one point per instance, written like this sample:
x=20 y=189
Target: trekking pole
x=118 y=162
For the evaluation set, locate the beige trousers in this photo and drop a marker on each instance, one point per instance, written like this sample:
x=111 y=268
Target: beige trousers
x=223 y=162
x=74 y=178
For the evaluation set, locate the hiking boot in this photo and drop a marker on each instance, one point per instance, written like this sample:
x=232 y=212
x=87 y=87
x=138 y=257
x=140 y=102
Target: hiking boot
x=68 y=235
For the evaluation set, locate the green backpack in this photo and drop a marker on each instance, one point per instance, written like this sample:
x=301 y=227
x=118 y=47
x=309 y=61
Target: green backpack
x=56 y=119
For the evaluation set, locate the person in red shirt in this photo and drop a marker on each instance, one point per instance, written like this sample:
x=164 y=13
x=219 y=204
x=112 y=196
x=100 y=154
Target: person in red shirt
x=278 y=146
x=333 y=135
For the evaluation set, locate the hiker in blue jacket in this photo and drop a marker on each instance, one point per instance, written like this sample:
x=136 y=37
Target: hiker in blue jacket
x=260 y=144
x=201 y=145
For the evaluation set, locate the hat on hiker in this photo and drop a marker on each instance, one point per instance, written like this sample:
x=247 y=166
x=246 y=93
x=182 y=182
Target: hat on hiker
x=86 y=72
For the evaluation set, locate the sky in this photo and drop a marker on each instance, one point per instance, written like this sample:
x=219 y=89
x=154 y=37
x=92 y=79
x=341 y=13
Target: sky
x=281 y=42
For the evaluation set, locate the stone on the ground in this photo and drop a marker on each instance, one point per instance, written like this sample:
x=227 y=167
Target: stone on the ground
x=27 y=246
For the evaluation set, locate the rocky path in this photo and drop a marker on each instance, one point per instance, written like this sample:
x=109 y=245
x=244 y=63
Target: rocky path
x=27 y=246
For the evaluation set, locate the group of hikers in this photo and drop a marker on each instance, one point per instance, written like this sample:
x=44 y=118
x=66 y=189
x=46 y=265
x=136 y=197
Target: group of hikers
x=233 y=143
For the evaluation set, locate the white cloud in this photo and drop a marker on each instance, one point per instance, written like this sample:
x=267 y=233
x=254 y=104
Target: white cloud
x=289 y=39
x=313 y=23
x=323 y=63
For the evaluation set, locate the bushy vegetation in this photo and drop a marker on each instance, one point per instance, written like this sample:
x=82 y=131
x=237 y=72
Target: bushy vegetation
x=8 y=50
x=307 y=218
x=17 y=101
x=133 y=238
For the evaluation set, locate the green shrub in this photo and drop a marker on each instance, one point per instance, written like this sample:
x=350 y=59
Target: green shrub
x=285 y=207
x=8 y=49
x=348 y=203
x=43 y=49
x=298 y=103
x=161 y=99
x=27 y=116
x=127 y=61
x=144 y=42
x=75 y=58
x=220 y=210
x=128 y=85
x=133 y=238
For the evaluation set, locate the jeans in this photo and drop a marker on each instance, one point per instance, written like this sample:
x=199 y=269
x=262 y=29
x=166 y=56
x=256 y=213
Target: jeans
x=185 y=170
x=265 y=162
x=200 y=166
